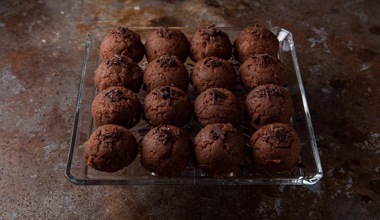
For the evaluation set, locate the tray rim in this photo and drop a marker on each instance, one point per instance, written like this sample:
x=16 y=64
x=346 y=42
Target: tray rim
x=204 y=181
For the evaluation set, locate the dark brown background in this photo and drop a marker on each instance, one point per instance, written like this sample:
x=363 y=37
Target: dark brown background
x=41 y=49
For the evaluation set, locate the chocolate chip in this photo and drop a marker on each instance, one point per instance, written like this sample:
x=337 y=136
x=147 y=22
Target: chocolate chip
x=216 y=94
x=265 y=60
x=114 y=95
x=122 y=30
x=278 y=136
x=210 y=30
x=119 y=60
x=165 y=32
x=165 y=92
x=218 y=132
x=269 y=91
x=213 y=63
x=167 y=61
x=260 y=33
x=166 y=134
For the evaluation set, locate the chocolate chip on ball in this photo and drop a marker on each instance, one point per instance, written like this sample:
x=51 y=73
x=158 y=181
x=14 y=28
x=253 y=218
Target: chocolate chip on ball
x=122 y=41
x=276 y=148
x=116 y=105
x=262 y=69
x=268 y=104
x=166 y=150
x=210 y=42
x=218 y=149
x=255 y=40
x=110 y=148
x=166 y=70
x=166 y=40
x=167 y=105
x=217 y=105
x=213 y=72
x=119 y=71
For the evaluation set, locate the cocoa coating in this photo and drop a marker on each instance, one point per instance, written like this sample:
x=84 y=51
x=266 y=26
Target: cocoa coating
x=262 y=69
x=217 y=105
x=116 y=105
x=269 y=103
x=119 y=71
x=110 y=148
x=218 y=149
x=276 y=148
x=255 y=40
x=167 y=105
x=166 y=40
x=213 y=72
x=210 y=42
x=122 y=41
x=166 y=150
x=166 y=70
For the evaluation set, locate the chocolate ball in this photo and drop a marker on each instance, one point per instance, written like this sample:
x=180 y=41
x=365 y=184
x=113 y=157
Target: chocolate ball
x=122 y=41
x=210 y=42
x=276 y=148
x=268 y=104
x=110 y=148
x=255 y=40
x=116 y=105
x=119 y=71
x=213 y=72
x=217 y=105
x=167 y=105
x=166 y=150
x=166 y=40
x=262 y=69
x=218 y=149
x=166 y=70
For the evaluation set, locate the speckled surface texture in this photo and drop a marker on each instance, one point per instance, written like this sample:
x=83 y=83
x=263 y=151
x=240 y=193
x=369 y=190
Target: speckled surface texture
x=42 y=44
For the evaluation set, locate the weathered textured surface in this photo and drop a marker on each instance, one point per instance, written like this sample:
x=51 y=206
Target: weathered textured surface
x=41 y=53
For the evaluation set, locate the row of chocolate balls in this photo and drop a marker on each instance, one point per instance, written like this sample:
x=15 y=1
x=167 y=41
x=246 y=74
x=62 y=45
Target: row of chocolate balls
x=206 y=42
x=218 y=149
x=208 y=72
x=169 y=105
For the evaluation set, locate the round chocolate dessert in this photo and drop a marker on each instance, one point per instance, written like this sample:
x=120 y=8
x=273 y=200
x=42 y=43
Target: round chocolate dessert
x=166 y=40
x=255 y=40
x=167 y=105
x=218 y=149
x=268 y=104
x=262 y=69
x=122 y=41
x=110 y=148
x=213 y=72
x=217 y=105
x=166 y=70
x=116 y=105
x=119 y=71
x=210 y=42
x=165 y=150
x=276 y=148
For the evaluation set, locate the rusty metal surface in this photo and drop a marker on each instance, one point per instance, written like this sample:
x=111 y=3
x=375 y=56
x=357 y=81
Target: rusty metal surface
x=41 y=53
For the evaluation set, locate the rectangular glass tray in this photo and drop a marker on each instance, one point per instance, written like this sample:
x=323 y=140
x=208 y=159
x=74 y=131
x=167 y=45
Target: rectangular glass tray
x=308 y=172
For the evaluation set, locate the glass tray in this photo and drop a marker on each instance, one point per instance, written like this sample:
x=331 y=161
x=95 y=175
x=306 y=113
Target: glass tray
x=308 y=171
